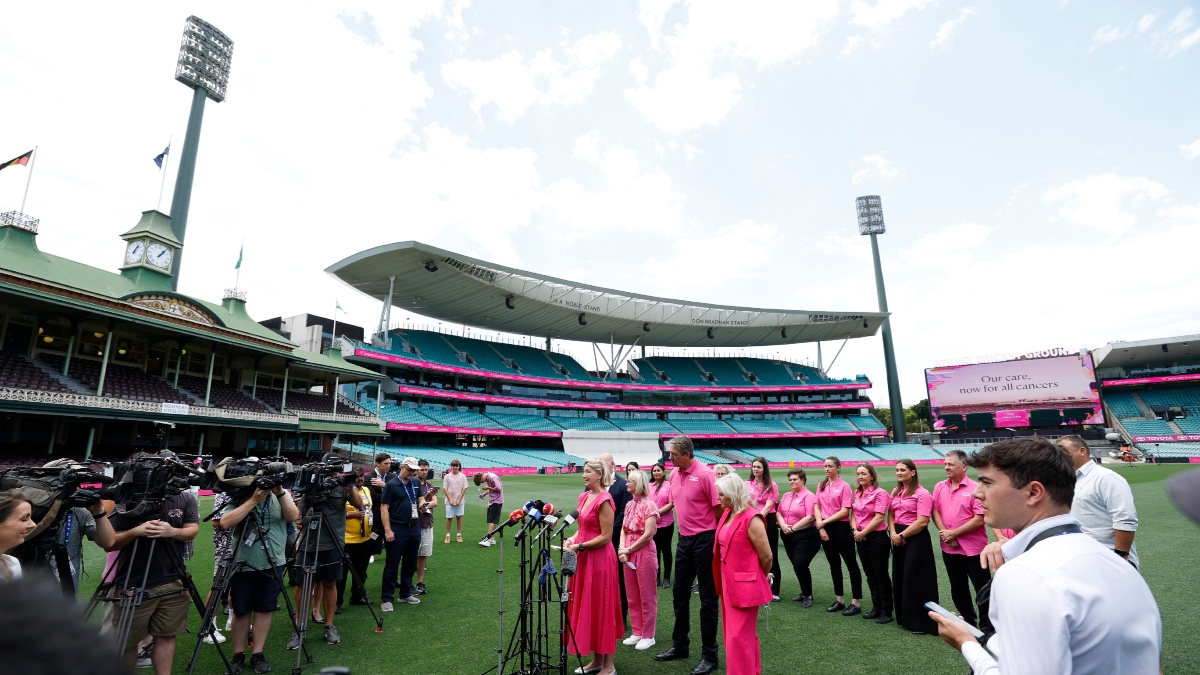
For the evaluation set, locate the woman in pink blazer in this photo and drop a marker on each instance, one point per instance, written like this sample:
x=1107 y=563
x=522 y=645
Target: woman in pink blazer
x=741 y=561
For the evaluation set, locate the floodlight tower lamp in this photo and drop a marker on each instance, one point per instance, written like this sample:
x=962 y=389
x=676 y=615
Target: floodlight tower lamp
x=870 y=223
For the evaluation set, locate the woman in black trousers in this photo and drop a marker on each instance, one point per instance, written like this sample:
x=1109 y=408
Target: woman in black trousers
x=870 y=534
x=765 y=495
x=913 y=568
x=834 y=497
x=660 y=492
x=796 y=517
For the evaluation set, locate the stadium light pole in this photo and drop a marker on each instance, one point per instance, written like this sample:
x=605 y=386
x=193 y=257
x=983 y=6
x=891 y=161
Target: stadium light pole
x=204 y=59
x=870 y=222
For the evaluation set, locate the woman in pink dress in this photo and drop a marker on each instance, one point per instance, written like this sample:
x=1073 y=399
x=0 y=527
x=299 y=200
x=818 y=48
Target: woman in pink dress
x=594 y=611
x=741 y=561
x=639 y=561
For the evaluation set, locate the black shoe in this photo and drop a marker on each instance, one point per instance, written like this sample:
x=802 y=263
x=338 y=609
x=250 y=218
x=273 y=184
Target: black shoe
x=704 y=667
x=873 y=614
x=885 y=618
x=236 y=663
x=359 y=601
x=259 y=663
x=671 y=654
x=420 y=588
x=798 y=598
x=337 y=610
x=806 y=602
x=695 y=588
x=852 y=610
x=835 y=607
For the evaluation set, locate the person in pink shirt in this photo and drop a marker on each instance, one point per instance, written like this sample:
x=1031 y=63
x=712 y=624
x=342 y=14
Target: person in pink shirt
x=796 y=518
x=742 y=557
x=639 y=560
x=764 y=493
x=958 y=516
x=870 y=508
x=914 y=572
x=834 y=497
x=660 y=492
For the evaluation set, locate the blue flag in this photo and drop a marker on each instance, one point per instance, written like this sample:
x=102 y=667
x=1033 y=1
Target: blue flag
x=161 y=156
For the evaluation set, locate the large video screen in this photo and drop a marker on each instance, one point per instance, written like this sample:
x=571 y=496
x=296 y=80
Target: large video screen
x=1019 y=393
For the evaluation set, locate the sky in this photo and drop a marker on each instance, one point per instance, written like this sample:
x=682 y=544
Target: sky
x=1038 y=162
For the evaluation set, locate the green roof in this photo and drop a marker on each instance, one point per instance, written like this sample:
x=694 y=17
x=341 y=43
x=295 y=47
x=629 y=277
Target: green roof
x=155 y=224
x=332 y=361
x=341 y=428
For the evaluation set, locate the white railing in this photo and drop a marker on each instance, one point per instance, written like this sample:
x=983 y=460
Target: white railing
x=332 y=417
x=108 y=403
x=702 y=353
x=354 y=405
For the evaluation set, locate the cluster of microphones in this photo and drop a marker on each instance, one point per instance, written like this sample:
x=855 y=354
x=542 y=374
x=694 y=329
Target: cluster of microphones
x=535 y=513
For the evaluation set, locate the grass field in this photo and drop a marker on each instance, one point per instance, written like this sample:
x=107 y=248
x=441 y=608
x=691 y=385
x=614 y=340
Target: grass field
x=454 y=629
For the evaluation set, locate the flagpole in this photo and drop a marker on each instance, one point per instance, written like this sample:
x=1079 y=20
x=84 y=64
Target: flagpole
x=163 y=183
x=334 y=331
x=238 y=279
x=32 y=159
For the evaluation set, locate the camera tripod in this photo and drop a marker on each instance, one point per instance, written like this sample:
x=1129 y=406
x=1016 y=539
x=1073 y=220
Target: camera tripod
x=313 y=524
x=127 y=597
x=220 y=588
x=529 y=649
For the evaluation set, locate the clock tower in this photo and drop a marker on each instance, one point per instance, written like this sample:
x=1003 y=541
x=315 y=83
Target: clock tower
x=150 y=252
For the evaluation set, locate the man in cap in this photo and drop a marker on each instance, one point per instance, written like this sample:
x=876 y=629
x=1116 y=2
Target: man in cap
x=399 y=514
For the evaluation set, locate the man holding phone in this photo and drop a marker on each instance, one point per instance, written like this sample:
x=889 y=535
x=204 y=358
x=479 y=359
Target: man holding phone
x=425 y=519
x=1061 y=603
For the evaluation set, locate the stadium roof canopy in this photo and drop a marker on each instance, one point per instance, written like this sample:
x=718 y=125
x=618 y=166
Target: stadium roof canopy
x=1155 y=352
x=458 y=289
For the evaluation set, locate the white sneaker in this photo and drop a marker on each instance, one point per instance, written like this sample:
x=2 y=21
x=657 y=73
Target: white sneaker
x=645 y=643
x=487 y=542
x=632 y=640
x=412 y=600
x=385 y=607
x=229 y=622
x=371 y=561
x=215 y=635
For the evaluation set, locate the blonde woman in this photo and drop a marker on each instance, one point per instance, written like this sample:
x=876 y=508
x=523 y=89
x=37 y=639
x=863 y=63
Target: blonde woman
x=742 y=557
x=639 y=560
x=595 y=606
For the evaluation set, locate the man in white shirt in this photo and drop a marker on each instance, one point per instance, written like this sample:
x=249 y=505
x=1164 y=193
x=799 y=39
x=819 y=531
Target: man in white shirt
x=1061 y=602
x=1103 y=501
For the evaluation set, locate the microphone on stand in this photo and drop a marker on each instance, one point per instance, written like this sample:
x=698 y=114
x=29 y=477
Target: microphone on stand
x=567 y=521
x=535 y=516
x=513 y=518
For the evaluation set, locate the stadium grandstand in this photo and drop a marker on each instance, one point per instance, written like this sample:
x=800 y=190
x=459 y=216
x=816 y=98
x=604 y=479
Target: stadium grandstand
x=524 y=402
x=91 y=360
x=1151 y=395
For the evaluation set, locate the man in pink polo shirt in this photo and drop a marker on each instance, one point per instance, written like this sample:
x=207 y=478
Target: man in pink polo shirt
x=959 y=519
x=697 y=510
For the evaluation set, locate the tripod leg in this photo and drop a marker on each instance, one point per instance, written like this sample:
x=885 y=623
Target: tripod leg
x=339 y=544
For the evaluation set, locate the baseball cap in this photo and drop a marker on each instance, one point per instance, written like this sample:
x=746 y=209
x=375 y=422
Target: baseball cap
x=411 y=462
x=1184 y=490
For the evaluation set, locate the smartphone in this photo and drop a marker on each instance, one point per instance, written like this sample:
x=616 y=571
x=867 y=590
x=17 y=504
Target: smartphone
x=947 y=614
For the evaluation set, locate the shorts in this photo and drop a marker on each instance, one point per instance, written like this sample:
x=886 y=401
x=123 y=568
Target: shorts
x=164 y=616
x=493 y=514
x=255 y=591
x=426 y=548
x=327 y=566
x=455 y=510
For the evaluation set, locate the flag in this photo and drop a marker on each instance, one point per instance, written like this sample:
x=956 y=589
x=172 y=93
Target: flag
x=23 y=160
x=337 y=305
x=161 y=156
x=238 y=266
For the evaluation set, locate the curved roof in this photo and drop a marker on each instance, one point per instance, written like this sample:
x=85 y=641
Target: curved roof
x=459 y=289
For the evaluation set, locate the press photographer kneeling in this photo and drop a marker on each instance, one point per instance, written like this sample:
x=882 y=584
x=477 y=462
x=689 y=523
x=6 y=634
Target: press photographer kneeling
x=255 y=588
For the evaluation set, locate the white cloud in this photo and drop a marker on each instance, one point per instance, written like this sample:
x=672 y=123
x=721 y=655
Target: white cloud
x=1106 y=34
x=1145 y=22
x=633 y=198
x=1182 y=34
x=879 y=17
x=513 y=84
x=748 y=243
x=852 y=43
x=1192 y=150
x=1012 y=197
x=945 y=33
x=1105 y=202
x=876 y=166
x=698 y=87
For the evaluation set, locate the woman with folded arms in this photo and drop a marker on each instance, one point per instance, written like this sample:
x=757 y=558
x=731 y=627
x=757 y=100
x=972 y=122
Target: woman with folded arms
x=741 y=561
x=639 y=560
x=870 y=534
x=796 y=517
x=764 y=493
x=834 y=498
x=914 y=571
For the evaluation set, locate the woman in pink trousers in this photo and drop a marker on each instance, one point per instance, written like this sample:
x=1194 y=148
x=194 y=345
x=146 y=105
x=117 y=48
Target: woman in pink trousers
x=741 y=561
x=639 y=560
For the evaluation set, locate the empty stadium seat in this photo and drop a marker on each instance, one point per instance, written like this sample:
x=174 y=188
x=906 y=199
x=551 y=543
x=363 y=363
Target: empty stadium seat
x=898 y=451
x=16 y=371
x=583 y=423
x=657 y=426
x=687 y=426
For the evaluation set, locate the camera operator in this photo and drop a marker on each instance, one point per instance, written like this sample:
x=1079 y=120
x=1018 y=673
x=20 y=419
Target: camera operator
x=255 y=587
x=165 y=616
x=91 y=522
x=1061 y=603
x=317 y=547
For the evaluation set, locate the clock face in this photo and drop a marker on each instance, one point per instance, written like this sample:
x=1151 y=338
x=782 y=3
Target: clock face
x=133 y=254
x=158 y=255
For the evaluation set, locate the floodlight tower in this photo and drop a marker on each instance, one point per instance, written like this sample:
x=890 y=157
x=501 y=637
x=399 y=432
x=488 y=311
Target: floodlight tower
x=870 y=222
x=204 y=59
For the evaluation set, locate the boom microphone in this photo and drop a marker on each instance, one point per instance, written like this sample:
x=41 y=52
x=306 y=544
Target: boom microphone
x=566 y=522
